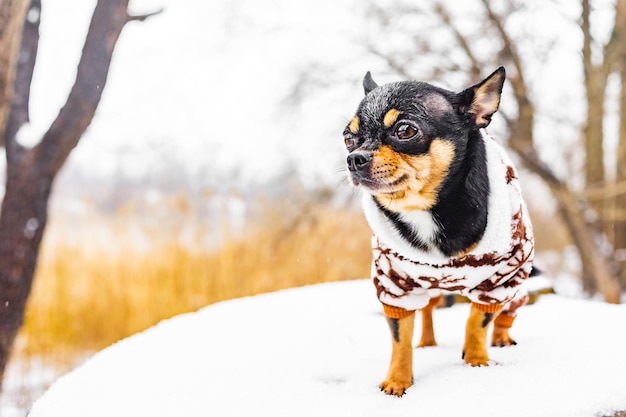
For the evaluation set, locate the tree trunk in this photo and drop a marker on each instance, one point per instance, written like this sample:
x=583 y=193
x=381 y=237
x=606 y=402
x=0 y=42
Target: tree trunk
x=619 y=234
x=596 y=77
x=23 y=219
x=12 y=13
x=31 y=172
x=19 y=108
x=619 y=200
x=595 y=262
x=594 y=133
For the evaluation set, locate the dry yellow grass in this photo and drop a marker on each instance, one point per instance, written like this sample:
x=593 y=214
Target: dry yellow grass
x=86 y=296
x=91 y=291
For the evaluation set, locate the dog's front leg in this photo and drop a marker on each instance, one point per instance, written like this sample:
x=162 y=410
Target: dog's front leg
x=475 y=347
x=400 y=375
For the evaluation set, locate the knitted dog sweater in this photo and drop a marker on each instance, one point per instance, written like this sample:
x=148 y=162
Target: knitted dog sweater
x=490 y=274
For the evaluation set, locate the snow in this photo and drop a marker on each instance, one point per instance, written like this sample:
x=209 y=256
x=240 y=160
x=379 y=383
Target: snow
x=322 y=350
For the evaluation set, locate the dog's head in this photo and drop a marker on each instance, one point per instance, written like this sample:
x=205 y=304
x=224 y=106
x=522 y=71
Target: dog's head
x=408 y=137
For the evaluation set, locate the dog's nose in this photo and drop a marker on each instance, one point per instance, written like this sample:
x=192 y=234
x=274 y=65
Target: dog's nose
x=359 y=160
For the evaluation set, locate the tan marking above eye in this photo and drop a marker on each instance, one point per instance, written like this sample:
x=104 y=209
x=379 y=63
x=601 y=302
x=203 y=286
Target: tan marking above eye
x=390 y=117
x=354 y=125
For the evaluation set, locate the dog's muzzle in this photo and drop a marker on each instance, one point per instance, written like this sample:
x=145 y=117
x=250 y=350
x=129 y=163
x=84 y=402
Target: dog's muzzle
x=359 y=165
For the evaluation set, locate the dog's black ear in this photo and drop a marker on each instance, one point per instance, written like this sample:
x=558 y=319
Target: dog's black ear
x=368 y=83
x=481 y=101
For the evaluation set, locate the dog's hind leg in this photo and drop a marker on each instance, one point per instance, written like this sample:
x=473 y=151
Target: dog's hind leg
x=500 y=336
x=400 y=374
x=501 y=325
x=475 y=347
x=428 y=333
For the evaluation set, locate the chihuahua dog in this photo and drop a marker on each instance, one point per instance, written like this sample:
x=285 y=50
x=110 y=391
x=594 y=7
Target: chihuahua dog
x=444 y=203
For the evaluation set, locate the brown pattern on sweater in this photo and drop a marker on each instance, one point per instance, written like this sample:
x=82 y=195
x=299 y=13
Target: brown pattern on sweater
x=490 y=278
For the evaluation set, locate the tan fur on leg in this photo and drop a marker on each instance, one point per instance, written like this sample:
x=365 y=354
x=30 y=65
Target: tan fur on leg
x=504 y=321
x=500 y=336
x=428 y=333
x=475 y=347
x=400 y=375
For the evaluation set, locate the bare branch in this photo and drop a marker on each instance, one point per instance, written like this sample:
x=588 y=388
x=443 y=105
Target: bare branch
x=396 y=66
x=585 y=26
x=533 y=162
x=581 y=231
x=614 y=215
x=142 y=17
x=107 y=22
x=508 y=50
x=19 y=111
x=606 y=191
x=12 y=14
x=615 y=48
x=476 y=65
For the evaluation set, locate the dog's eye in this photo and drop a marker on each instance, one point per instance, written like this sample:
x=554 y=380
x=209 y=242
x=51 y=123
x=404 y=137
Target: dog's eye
x=349 y=140
x=405 y=131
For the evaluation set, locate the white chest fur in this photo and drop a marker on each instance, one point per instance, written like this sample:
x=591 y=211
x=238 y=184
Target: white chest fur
x=421 y=223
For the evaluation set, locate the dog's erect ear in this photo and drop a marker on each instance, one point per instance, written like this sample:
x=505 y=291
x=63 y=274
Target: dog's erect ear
x=368 y=83
x=482 y=100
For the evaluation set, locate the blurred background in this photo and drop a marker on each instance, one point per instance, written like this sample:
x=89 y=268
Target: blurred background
x=214 y=167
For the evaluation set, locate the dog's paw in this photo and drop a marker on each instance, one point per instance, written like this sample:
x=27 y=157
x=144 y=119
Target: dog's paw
x=426 y=342
x=395 y=387
x=502 y=342
x=475 y=358
x=501 y=337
